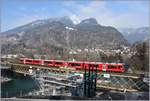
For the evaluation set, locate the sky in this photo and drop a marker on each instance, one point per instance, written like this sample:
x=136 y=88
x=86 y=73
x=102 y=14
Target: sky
x=119 y=13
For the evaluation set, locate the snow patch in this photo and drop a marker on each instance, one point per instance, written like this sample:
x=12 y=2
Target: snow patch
x=69 y=28
x=37 y=23
x=75 y=19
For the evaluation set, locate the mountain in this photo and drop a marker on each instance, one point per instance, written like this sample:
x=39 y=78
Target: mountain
x=89 y=21
x=61 y=33
x=135 y=34
x=65 y=20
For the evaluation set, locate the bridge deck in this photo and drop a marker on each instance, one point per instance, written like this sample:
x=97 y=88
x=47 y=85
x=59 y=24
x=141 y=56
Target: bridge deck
x=128 y=75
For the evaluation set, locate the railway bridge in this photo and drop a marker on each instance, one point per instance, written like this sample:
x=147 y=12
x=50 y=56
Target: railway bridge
x=112 y=81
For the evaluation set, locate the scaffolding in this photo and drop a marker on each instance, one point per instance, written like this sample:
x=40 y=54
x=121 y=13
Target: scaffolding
x=90 y=78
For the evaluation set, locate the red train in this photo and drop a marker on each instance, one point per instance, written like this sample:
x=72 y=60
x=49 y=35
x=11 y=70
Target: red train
x=108 y=67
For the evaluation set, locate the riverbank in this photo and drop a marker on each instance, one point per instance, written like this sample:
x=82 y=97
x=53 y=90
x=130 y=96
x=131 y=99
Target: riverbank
x=19 y=85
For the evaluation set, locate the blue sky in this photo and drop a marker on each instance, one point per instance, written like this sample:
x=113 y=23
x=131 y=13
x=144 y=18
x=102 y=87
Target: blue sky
x=119 y=13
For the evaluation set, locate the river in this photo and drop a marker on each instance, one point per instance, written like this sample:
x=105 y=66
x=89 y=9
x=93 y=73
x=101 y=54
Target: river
x=19 y=85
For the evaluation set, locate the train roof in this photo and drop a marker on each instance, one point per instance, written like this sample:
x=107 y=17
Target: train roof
x=77 y=61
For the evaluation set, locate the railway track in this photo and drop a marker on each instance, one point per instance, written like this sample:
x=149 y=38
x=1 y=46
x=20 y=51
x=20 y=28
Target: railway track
x=69 y=69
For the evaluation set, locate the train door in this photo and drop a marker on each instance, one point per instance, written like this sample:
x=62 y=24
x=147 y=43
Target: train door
x=24 y=61
x=42 y=62
x=104 y=67
x=66 y=64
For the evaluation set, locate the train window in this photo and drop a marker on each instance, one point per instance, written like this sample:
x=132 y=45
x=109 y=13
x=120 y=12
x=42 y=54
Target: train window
x=47 y=62
x=28 y=60
x=93 y=65
x=119 y=67
x=36 y=61
x=58 y=63
x=75 y=64
x=111 y=66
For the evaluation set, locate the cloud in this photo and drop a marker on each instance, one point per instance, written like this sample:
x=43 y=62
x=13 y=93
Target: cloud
x=109 y=13
x=135 y=14
x=75 y=19
x=93 y=7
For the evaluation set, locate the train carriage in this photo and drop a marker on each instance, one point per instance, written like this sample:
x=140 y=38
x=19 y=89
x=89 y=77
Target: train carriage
x=108 y=67
x=115 y=67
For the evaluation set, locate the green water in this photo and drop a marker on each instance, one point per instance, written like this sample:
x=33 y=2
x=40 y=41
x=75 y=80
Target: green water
x=20 y=85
